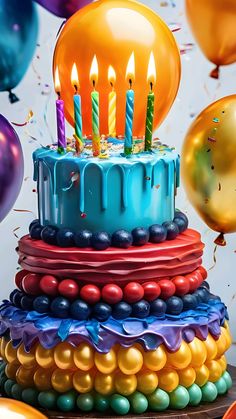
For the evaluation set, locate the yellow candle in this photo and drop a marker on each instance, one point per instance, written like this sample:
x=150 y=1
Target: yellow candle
x=112 y=103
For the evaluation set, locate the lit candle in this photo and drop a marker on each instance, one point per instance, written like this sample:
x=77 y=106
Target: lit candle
x=129 y=112
x=151 y=79
x=95 y=108
x=79 y=142
x=61 y=137
x=112 y=103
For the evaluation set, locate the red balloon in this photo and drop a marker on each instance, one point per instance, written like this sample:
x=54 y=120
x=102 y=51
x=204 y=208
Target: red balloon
x=151 y=290
x=203 y=272
x=182 y=285
x=68 y=288
x=167 y=288
x=90 y=293
x=112 y=294
x=19 y=278
x=31 y=284
x=49 y=285
x=133 y=292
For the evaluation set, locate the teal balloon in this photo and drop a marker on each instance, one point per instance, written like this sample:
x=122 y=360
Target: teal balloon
x=138 y=402
x=159 y=400
x=227 y=379
x=85 y=402
x=16 y=392
x=67 y=401
x=179 y=398
x=101 y=403
x=30 y=396
x=8 y=386
x=119 y=404
x=221 y=386
x=195 y=395
x=19 y=30
x=209 y=392
x=48 y=399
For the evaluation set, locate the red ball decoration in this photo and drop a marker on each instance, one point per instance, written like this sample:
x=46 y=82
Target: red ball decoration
x=151 y=290
x=133 y=292
x=167 y=288
x=195 y=280
x=19 y=278
x=112 y=293
x=203 y=272
x=30 y=284
x=49 y=285
x=68 y=288
x=182 y=285
x=90 y=293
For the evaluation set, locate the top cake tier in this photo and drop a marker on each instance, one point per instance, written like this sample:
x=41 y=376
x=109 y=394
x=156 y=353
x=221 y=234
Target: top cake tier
x=109 y=192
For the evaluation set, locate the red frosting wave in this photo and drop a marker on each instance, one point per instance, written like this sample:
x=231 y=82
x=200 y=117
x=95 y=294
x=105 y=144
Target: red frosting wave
x=152 y=261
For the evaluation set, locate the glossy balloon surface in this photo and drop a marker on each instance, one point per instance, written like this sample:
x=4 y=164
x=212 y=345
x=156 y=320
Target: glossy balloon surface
x=18 y=408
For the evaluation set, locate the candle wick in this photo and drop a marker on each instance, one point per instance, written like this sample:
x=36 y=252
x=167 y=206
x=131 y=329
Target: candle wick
x=130 y=83
x=59 y=95
x=151 y=85
x=76 y=88
x=94 y=84
x=111 y=85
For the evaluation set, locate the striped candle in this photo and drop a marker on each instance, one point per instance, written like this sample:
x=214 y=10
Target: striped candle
x=79 y=141
x=96 y=146
x=112 y=103
x=129 y=112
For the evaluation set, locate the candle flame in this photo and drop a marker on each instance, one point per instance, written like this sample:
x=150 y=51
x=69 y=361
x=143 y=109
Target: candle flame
x=151 y=74
x=74 y=77
x=111 y=75
x=94 y=71
x=57 y=81
x=130 y=70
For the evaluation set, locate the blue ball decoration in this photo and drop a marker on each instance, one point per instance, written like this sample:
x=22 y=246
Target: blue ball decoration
x=60 y=307
x=202 y=294
x=26 y=302
x=41 y=304
x=172 y=230
x=141 y=309
x=13 y=293
x=49 y=234
x=100 y=240
x=83 y=238
x=140 y=236
x=16 y=298
x=36 y=231
x=213 y=297
x=205 y=284
x=190 y=302
x=174 y=305
x=122 y=238
x=180 y=214
x=102 y=311
x=33 y=223
x=121 y=310
x=80 y=310
x=181 y=223
x=158 y=307
x=65 y=238
x=157 y=233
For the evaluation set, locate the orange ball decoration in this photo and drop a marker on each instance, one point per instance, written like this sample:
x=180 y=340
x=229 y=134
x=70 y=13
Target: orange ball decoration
x=112 y=30
x=13 y=408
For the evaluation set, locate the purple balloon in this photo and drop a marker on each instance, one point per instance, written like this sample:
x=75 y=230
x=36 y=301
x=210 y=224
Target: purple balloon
x=63 y=8
x=11 y=166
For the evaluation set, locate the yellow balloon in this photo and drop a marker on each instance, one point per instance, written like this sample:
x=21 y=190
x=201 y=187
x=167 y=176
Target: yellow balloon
x=202 y=375
x=25 y=376
x=199 y=352
x=208 y=163
x=2 y=347
x=130 y=360
x=214 y=369
x=223 y=363
x=27 y=359
x=147 y=381
x=104 y=383
x=125 y=384
x=42 y=379
x=221 y=344
x=10 y=352
x=44 y=357
x=181 y=358
x=83 y=381
x=211 y=347
x=10 y=408
x=168 y=379
x=106 y=363
x=187 y=376
x=155 y=360
x=62 y=380
x=84 y=356
x=63 y=356
x=10 y=369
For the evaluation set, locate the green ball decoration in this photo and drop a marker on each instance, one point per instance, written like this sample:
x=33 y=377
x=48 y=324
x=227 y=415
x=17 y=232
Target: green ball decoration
x=179 y=398
x=209 y=392
x=8 y=386
x=195 y=395
x=227 y=379
x=85 y=402
x=3 y=379
x=48 y=399
x=30 y=396
x=2 y=366
x=221 y=386
x=66 y=402
x=119 y=404
x=101 y=403
x=138 y=402
x=16 y=392
x=159 y=400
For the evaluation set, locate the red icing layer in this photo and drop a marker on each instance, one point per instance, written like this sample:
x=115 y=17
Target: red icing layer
x=152 y=261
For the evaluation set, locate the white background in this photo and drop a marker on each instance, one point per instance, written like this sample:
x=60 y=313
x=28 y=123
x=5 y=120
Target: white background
x=197 y=90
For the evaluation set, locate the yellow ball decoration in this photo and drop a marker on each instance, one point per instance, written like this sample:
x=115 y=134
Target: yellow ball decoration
x=83 y=381
x=125 y=384
x=187 y=376
x=181 y=358
x=62 y=380
x=10 y=369
x=84 y=357
x=130 y=360
x=227 y=335
x=199 y=352
x=223 y=363
x=63 y=356
x=104 y=383
x=221 y=345
x=10 y=352
x=2 y=347
x=27 y=359
x=42 y=379
x=214 y=369
x=106 y=363
x=168 y=379
x=155 y=360
x=211 y=347
x=147 y=381
x=44 y=357
x=202 y=375
x=25 y=376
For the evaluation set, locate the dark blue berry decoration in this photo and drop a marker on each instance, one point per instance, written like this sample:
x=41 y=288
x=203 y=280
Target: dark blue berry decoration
x=140 y=236
x=16 y=298
x=171 y=229
x=122 y=238
x=80 y=310
x=12 y=295
x=157 y=233
x=65 y=238
x=202 y=294
x=26 y=302
x=83 y=238
x=121 y=310
x=41 y=304
x=181 y=223
x=33 y=223
x=101 y=311
x=141 y=309
x=100 y=240
x=49 y=234
x=60 y=307
x=179 y=214
x=35 y=231
x=158 y=307
x=174 y=305
x=190 y=302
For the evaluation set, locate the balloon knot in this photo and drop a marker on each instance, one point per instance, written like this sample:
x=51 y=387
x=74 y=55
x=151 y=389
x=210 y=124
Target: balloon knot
x=220 y=240
x=215 y=72
x=12 y=97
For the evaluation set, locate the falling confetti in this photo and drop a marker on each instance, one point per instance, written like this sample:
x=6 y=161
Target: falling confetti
x=185 y=48
x=14 y=232
x=219 y=187
x=216 y=120
x=28 y=118
x=211 y=139
x=174 y=27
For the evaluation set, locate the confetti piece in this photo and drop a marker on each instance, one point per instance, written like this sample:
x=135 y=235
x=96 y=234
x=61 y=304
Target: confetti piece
x=83 y=215
x=174 y=27
x=212 y=167
x=219 y=187
x=147 y=178
x=216 y=120
x=214 y=258
x=208 y=150
x=22 y=210
x=28 y=118
x=211 y=139
x=14 y=232
x=157 y=186
x=185 y=48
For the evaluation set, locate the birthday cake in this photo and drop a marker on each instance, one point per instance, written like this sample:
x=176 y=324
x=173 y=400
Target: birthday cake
x=111 y=312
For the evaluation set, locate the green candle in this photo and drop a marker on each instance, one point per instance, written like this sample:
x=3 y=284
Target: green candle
x=149 y=121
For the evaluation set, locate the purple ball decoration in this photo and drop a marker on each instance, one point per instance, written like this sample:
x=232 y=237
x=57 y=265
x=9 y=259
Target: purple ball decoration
x=11 y=167
x=63 y=8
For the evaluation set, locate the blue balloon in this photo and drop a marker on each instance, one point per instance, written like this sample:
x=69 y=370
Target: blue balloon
x=19 y=30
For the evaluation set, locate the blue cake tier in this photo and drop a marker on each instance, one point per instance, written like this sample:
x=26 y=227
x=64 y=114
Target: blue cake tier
x=112 y=193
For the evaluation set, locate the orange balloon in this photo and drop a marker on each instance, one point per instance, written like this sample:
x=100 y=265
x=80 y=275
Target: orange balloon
x=9 y=406
x=112 y=30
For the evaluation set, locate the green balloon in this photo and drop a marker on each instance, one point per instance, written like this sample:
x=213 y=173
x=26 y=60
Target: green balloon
x=16 y=392
x=48 y=399
x=179 y=398
x=101 y=403
x=221 y=386
x=159 y=400
x=66 y=402
x=195 y=395
x=8 y=386
x=85 y=402
x=138 y=402
x=209 y=392
x=30 y=396
x=227 y=379
x=119 y=404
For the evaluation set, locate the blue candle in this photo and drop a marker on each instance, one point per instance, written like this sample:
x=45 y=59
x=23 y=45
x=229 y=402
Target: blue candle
x=129 y=115
x=79 y=142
